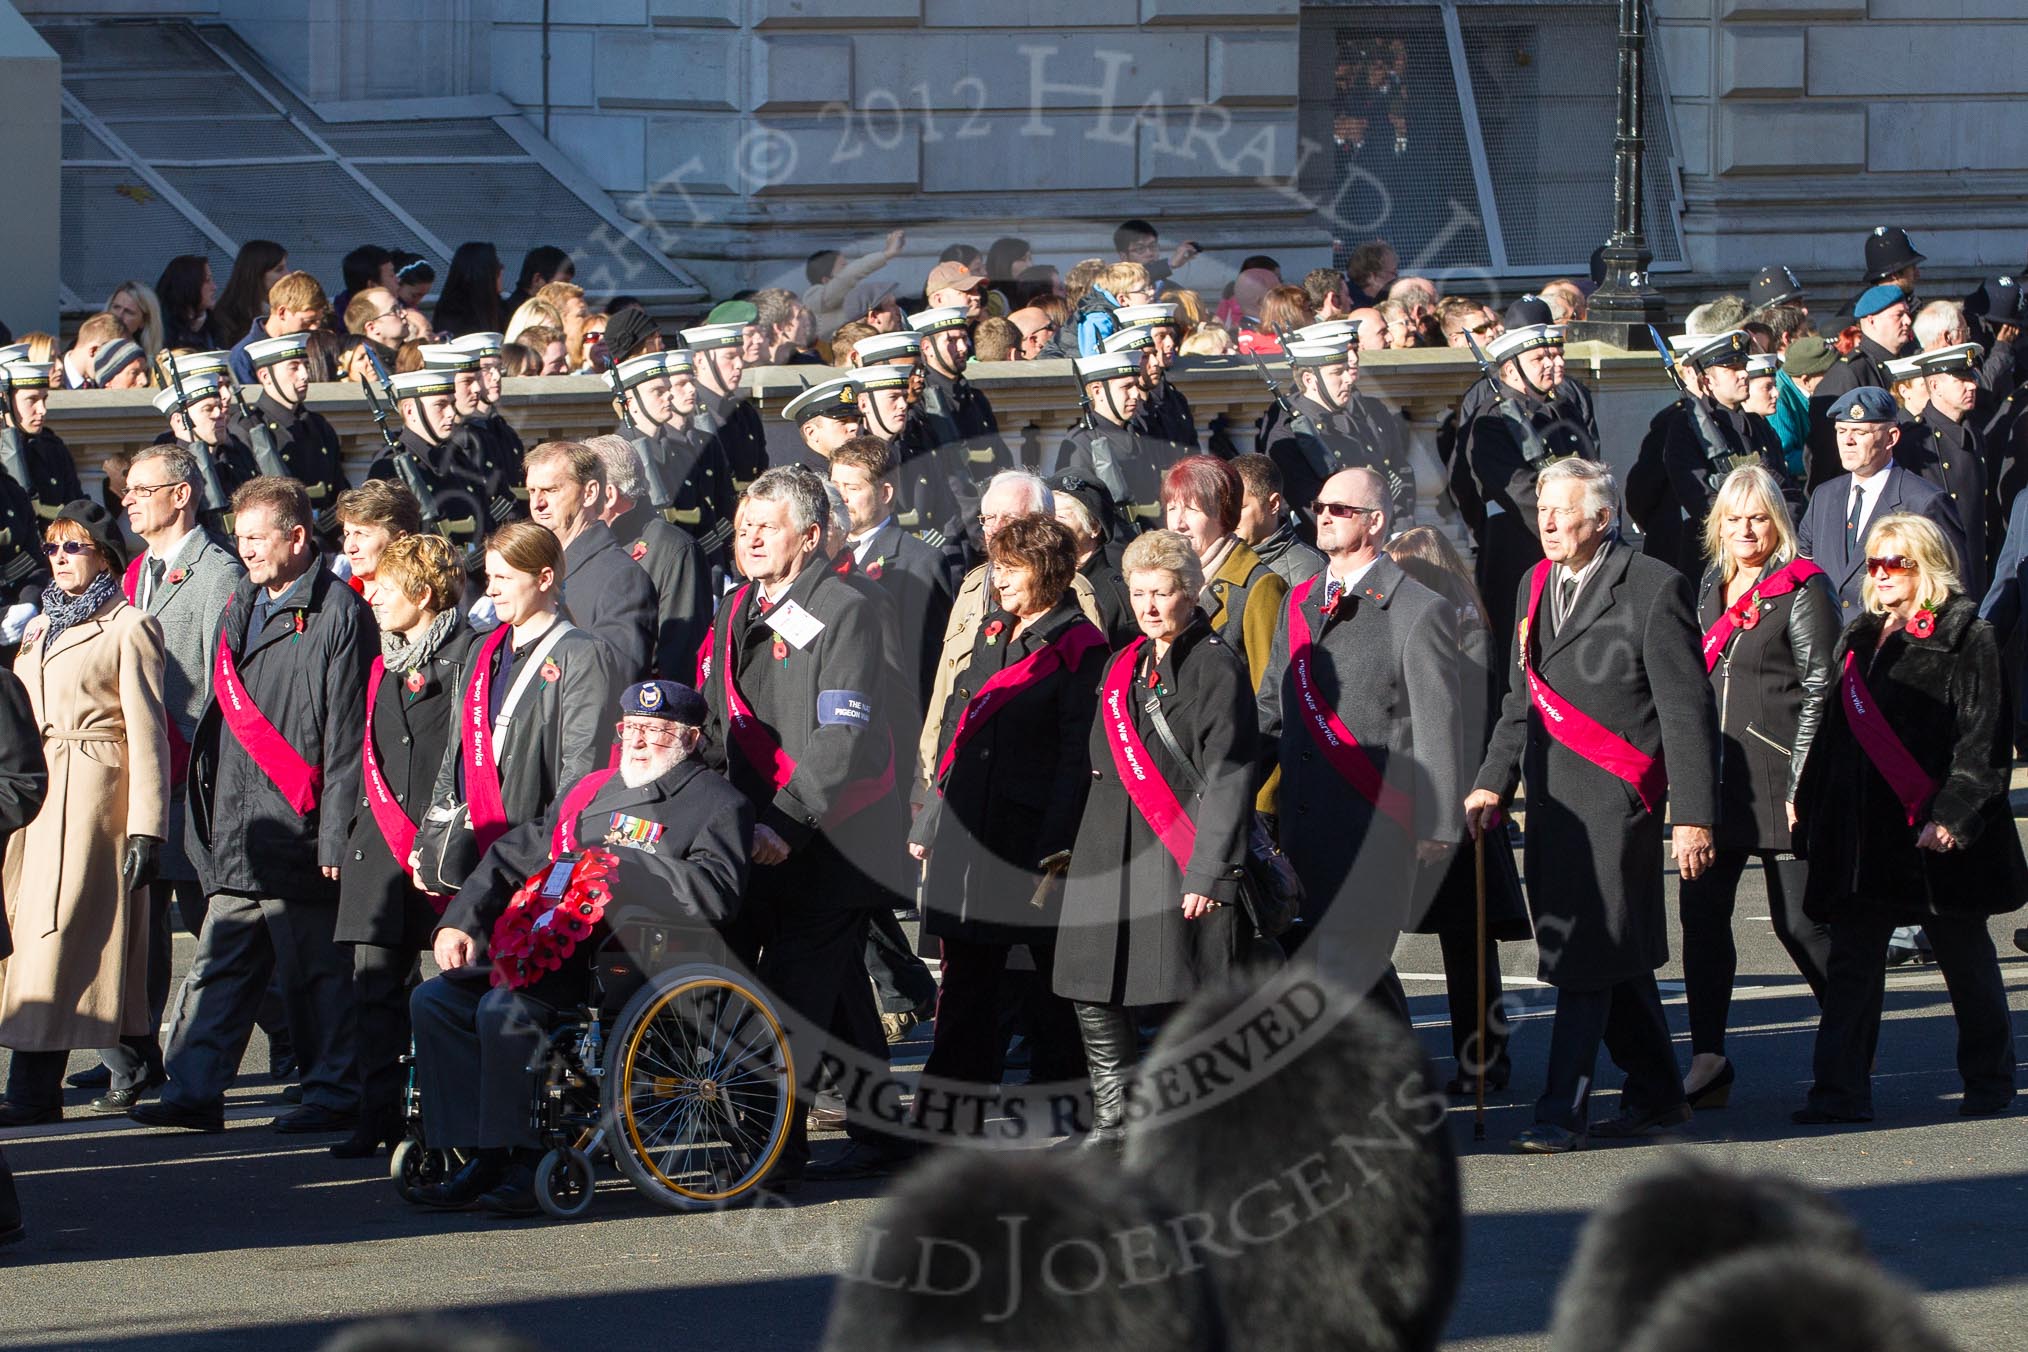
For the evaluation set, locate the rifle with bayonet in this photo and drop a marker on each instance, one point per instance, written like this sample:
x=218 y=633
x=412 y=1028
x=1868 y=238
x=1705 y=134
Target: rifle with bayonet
x=379 y=392
x=216 y=499
x=1533 y=452
x=659 y=496
x=267 y=454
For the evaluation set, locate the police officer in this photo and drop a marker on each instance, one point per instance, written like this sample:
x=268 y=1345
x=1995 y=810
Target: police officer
x=1944 y=446
x=724 y=414
x=288 y=438
x=1776 y=285
x=1165 y=414
x=826 y=415
x=1696 y=442
x=452 y=492
x=195 y=408
x=1892 y=261
x=1886 y=326
x=32 y=455
x=925 y=505
x=1105 y=450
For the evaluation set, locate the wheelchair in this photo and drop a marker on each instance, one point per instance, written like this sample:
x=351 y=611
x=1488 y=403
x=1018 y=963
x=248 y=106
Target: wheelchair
x=682 y=1080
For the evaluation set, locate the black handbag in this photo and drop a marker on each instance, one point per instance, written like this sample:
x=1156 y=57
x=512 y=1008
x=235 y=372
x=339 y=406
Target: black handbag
x=446 y=848
x=1269 y=891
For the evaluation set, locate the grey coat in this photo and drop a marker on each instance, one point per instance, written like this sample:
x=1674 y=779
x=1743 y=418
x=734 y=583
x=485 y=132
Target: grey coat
x=188 y=611
x=1386 y=661
x=1629 y=656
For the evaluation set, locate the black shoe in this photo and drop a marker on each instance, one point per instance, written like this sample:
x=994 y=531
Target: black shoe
x=163 y=1113
x=860 y=1160
x=515 y=1194
x=14 y=1114
x=12 y=1234
x=121 y=1100
x=293 y=1094
x=1628 y=1125
x=99 y=1076
x=479 y=1176
x=1824 y=1117
x=1715 y=1092
x=1984 y=1105
x=1546 y=1138
x=374 y=1130
x=315 y=1118
x=2021 y=939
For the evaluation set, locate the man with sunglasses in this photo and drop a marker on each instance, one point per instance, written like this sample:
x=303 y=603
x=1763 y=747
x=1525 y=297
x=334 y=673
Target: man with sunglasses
x=680 y=834
x=1832 y=532
x=1339 y=429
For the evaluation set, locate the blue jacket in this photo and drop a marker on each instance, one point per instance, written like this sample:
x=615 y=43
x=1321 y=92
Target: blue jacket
x=1095 y=322
x=2004 y=598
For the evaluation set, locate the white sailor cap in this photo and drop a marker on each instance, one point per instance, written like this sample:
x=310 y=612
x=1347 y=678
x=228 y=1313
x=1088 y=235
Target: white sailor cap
x=1527 y=338
x=481 y=344
x=678 y=361
x=1158 y=313
x=1963 y=358
x=1763 y=364
x=882 y=377
x=200 y=364
x=415 y=384
x=25 y=375
x=1730 y=348
x=707 y=336
x=876 y=349
x=833 y=398
x=1136 y=338
x=938 y=319
x=270 y=351
x=640 y=370
x=185 y=392
x=1326 y=331
x=1322 y=352
x=1107 y=366
x=447 y=357
x=14 y=352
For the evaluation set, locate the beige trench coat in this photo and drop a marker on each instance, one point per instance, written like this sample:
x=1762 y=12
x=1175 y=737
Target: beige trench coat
x=78 y=977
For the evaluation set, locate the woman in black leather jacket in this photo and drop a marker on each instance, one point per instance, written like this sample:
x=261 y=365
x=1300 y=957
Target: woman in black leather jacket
x=1770 y=624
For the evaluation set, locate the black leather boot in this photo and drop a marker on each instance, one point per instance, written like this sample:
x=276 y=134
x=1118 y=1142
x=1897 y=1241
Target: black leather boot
x=1110 y=1045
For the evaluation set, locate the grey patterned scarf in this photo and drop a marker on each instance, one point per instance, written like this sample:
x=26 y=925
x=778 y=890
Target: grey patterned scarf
x=402 y=654
x=62 y=610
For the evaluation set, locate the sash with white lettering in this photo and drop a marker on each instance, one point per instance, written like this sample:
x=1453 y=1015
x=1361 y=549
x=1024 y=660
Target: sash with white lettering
x=482 y=770
x=563 y=840
x=1146 y=789
x=1579 y=732
x=1341 y=749
x=1789 y=577
x=299 y=781
x=1876 y=737
x=1066 y=650
x=765 y=753
x=392 y=819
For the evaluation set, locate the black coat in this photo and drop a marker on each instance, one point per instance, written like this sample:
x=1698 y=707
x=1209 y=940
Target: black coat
x=377 y=903
x=1129 y=468
x=1952 y=456
x=458 y=490
x=734 y=426
x=1628 y=656
x=608 y=595
x=677 y=570
x=917 y=582
x=242 y=834
x=961 y=425
x=51 y=471
x=24 y=777
x=1697 y=452
x=1165 y=417
x=310 y=453
x=692 y=471
x=1363 y=433
x=1109 y=590
x=1771 y=684
x=1123 y=939
x=1507 y=445
x=1014 y=793
x=1945 y=698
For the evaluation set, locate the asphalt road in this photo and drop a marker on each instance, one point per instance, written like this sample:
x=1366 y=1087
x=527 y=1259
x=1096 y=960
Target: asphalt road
x=146 y=1241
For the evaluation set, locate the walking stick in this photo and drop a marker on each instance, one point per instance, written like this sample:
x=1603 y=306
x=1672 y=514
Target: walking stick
x=1479 y=1079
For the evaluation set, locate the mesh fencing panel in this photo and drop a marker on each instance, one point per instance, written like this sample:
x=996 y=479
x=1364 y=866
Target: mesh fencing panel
x=115 y=227
x=432 y=138
x=327 y=213
x=264 y=138
x=123 y=49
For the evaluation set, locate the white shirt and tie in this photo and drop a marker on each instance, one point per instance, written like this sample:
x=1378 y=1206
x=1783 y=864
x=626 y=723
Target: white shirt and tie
x=1860 y=506
x=157 y=566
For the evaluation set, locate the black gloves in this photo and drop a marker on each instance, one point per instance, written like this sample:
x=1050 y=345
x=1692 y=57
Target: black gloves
x=142 y=861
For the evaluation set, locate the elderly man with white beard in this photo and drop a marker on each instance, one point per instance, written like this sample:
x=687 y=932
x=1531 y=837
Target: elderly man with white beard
x=680 y=834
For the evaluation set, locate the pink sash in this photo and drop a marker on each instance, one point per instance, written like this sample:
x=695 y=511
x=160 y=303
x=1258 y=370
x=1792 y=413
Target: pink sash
x=1329 y=732
x=1066 y=650
x=1579 y=731
x=299 y=781
x=1146 y=789
x=761 y=749
x=395 y=827
x=1876 y=737
x=1784 y=580
x=482 y=772
x=563 y=840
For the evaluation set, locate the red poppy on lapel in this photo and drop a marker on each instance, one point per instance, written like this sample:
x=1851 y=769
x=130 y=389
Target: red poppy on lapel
x=300 y=622
x=780 y=650
x=874 y=569
x=550 y=671
x=993 y=631
x=177 y=576
x=416 y=681
x=638 y=550
x=1923 y=625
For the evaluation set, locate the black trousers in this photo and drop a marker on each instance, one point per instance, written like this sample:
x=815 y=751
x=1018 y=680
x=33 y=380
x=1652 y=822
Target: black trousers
x=813 y=960
x=381 y=981
x=901 y=979
x=35 y=1079
x=1711 y=961
x=971 y=1042
x=474 y=1046
x=1849 y=1031
x=1462 y=966
x=10 y=1202
x=1627 y=1017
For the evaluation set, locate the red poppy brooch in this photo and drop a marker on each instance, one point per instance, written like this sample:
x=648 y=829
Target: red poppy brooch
x=416 y=681
x=550 y=671
x=638 y=550
x=993 y=632
x=1923 y=625
x=177 y=576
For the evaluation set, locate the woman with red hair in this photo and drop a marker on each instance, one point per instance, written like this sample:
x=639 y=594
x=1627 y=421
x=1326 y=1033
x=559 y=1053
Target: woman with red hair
x=1242 y=596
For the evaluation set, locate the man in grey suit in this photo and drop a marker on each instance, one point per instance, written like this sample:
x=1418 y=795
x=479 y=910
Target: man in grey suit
x=183 y=580
x=605 y=592
x=1832 y=533
x=1359 y=706
x=1608 y=710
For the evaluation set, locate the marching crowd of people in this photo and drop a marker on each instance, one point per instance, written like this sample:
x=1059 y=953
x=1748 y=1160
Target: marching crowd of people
x=1144 y=720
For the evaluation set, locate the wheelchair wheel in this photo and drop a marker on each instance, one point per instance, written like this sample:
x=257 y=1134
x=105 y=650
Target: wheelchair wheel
x=699 y=1089
x=414 y=1166
x=564 y=1183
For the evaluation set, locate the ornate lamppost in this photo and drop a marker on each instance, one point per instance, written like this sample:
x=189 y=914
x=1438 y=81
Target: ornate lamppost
x=1625 y=304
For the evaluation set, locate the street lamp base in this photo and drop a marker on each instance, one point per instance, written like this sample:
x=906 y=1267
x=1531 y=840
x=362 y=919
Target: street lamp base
x=1618 y=329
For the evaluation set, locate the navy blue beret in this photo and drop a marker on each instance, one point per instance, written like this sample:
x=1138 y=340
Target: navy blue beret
x=664 y=699
x=1867 y=404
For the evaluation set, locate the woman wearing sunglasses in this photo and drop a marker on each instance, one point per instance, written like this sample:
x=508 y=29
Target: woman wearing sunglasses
x=75 y=879
x=1770 y=622
x=1904 y=818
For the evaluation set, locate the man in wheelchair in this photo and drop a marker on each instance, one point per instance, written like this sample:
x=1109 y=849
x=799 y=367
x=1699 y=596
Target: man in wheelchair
x=680 y=834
